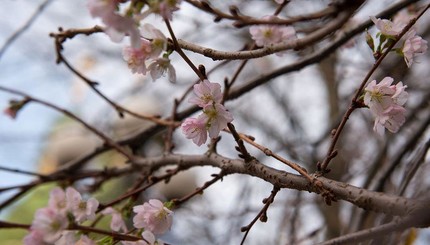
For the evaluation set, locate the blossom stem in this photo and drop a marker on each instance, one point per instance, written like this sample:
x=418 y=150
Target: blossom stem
x=353 y=105
x=178 y=49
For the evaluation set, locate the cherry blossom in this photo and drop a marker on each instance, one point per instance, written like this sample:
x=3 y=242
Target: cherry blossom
x=84 y=240
x=385 y=101
x=82 y=210
x=195 y=129
x=102 y=8
x=117 y=26
x=216 y=117
x=207 y=93
x=49 y=223
x=159 y=67
x=117 y=222
x=387 y=27
x=403 y=17
x=153 y=216
x=413 y=46
x=57 y=200
x=391 y=118
x=157 y=38
x=71 y=237
x=35 y=237
x=150 y=238
x=265 y=35
x=136 y=57
x=67 y=237
x=400 y=96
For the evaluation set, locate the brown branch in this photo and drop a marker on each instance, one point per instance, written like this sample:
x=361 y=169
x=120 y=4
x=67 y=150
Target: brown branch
x=178 y=49
x=200 y=190
x=295 y=44
x=262 y=215
x=420 y=220
x=10 y=225
x=331 y=153
x=368 y=200
x=22 y=29
x=246 y=20
x=318 y=55
x=60 y=38
x=19 y=171
x=105 y=138
x=240 y=146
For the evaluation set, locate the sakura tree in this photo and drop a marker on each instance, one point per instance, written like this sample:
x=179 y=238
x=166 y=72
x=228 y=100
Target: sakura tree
x=319 y=109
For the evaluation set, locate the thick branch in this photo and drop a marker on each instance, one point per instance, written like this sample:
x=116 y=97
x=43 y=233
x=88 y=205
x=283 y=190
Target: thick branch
x=296 y=44
x=369 y=200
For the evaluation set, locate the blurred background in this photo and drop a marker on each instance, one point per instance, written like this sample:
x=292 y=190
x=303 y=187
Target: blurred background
x=292 y=115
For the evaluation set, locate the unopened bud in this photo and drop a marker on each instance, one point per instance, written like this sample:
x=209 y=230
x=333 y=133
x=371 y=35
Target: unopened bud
x=369 y=41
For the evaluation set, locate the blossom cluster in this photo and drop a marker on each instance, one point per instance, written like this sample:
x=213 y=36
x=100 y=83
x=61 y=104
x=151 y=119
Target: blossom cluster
x=146 y=42
x=266 y=35
x=64 y=207
x=52 y=224
x=413 y=44
x=214 y=117
x=386 y=101
x=150 y=48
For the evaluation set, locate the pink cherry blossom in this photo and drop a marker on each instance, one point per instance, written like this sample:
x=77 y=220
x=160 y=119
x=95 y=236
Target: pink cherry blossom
x=385 y=101
x=157 y=38
x=67 y=237
x=279 y=1
x=216 y=117
x=159 y=67
x=82 y=210
x=117 y=26
x=375 y=92
x=71 y=237
x=391 y=118
x=136 y=57
x=387 y=27
x=266 y=35
x=195 y=129
x=35 y=237
x=102 y=8
x=150 y=239
x=153 y=216
x=400 y=96
x=413 y=46
x=403 y=17
x=84 y=240
x=57 y=200
x=207 y=94
x=117 y=222
x=49 y=223
x=140 y=242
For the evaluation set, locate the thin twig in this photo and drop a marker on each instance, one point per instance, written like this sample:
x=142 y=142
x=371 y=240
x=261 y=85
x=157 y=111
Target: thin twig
x=331 y=153
x=105 y=138
x=295 y=44
x=200 y=190
x=21 y=30
x=19 y=171
x=262 y=215
x=178 y=49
